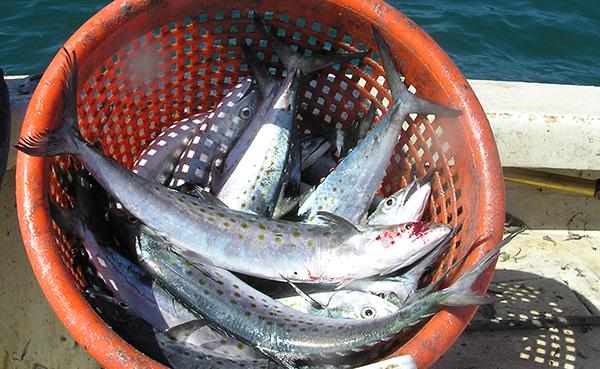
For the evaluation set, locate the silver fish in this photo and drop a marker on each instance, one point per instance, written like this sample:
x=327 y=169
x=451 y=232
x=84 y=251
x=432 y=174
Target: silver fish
x=333 y=252
x=287 y=336
x=399 y=288
x=348 y=191
x=342 y=305
x=171 y=347
x=225 y=125
x=158 y=161
x=183 y=355
x=123 y=278
x=406 y=205
x=252 y=176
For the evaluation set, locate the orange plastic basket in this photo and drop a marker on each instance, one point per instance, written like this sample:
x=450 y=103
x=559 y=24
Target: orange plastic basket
x=160 y=61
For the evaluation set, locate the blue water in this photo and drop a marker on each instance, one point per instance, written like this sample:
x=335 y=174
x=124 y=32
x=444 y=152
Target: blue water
x=535 y=40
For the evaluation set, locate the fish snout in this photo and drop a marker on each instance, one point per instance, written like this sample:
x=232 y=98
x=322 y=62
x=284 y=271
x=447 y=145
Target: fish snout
x=431 y=232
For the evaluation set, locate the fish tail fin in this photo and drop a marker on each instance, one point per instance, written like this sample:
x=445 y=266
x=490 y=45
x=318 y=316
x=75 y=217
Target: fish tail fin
x=316 y=63
x=65 y=138
x=306 y=65
x=400 y=93
x=461 y=293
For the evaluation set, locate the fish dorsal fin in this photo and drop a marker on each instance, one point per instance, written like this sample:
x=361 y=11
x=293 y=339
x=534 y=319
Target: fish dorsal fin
x=402 y=98
x=314 y=303
x=338 y=223
x=295 y=62
x=183 y=331
x=199 y=192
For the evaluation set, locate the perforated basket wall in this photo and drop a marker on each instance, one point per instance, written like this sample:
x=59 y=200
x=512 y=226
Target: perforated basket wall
x=153 y=62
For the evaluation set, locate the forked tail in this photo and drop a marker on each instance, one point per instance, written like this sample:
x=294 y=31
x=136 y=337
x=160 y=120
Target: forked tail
x=306 y=65
x=461 y=293
x=402 y=98
x=64 y=139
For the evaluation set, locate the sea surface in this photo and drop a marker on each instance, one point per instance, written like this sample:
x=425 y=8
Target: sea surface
x=513 y=40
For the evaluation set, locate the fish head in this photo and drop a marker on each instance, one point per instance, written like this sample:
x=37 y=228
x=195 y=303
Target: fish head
x=395 y=201
x=416 y=202
x=358 y=305
x=239 y=103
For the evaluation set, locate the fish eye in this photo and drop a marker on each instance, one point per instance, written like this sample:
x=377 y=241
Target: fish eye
x=408 y=226
x=246 y=112
x=367 y=312
x=389 y=202
x=381 y=294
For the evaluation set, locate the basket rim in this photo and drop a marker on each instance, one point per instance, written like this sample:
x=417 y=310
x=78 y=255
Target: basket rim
x=101 y=342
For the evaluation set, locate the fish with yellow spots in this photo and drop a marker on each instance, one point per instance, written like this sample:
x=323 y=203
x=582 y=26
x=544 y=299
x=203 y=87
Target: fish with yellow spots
x=291 y=338
x=253 y=173
x=349 y=189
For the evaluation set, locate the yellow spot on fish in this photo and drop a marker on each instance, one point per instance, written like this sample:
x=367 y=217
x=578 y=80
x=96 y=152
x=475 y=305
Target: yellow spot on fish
x=241 y=237
x=226 y=224
x=244 y=225
x=278 y=239
x=243 y=205
x=334 y=189
x=240 y=346
x=310 y=243
x=296 y=233
x=211 y=219
x=261 y=237
x=262 y=226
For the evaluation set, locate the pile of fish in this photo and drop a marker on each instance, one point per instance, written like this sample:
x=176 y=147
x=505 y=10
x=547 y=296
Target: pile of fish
x=238 y=240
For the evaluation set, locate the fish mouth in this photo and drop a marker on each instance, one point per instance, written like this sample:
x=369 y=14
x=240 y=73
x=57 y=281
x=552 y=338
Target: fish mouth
x=431 y=230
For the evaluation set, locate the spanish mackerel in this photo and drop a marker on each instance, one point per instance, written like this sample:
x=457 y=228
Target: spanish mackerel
x=289 y=337
x=405 y=205
x=253 y=173
x=225 y=125
x=348 y=191
x=333 y=252
x=158 y=160
x=131 y=286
